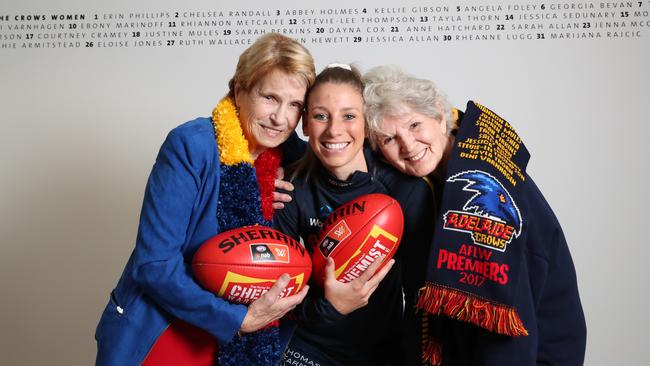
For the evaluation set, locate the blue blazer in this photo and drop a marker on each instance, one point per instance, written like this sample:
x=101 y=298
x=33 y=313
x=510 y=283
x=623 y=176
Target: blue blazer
x=179 y=213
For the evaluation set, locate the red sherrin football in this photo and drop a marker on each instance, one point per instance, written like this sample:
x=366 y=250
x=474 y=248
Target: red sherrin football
x=242 y=264
x=356 y=234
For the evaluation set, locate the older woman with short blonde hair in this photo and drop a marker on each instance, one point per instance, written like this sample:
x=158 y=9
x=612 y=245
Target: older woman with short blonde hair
x=211 y=175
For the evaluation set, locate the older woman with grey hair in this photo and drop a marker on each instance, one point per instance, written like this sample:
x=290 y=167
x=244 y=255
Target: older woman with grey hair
x=409 y=120
x=500 y=276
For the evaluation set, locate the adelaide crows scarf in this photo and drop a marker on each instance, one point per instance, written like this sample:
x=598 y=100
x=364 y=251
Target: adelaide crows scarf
x=473 y=268
x=245 y=198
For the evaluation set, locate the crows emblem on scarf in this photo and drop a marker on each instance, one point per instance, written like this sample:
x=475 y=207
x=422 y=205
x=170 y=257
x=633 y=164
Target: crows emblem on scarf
x=490 y=199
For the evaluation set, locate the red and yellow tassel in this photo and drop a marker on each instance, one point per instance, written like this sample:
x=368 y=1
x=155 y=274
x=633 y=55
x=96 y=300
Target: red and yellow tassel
x=470 y=308
x=432 y=353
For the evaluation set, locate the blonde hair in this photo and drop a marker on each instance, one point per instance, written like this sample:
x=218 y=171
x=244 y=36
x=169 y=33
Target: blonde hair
x=272 y=51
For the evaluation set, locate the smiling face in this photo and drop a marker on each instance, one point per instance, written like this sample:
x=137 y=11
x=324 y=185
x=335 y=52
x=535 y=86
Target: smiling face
x=270 y=110
x=334 y=122
x=413 y=143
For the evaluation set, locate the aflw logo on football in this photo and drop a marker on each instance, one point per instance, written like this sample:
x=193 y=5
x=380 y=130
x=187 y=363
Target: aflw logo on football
x=340 y=231
x=269 y=253
x=336 y=235
x=281 y=252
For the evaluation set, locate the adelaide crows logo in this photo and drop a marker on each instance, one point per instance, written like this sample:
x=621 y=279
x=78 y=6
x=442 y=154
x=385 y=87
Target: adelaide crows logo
x=491 y=216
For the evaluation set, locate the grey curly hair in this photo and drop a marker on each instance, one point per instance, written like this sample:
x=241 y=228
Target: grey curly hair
x=389 y=91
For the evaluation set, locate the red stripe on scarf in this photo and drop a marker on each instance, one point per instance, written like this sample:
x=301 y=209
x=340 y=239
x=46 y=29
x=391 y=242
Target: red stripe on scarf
x=266 y=168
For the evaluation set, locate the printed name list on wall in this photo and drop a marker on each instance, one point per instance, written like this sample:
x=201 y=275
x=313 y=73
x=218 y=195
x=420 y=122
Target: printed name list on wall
x=412 y=24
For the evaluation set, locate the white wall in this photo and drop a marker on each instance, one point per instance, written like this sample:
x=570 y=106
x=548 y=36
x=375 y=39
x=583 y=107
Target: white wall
x=81 y=127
